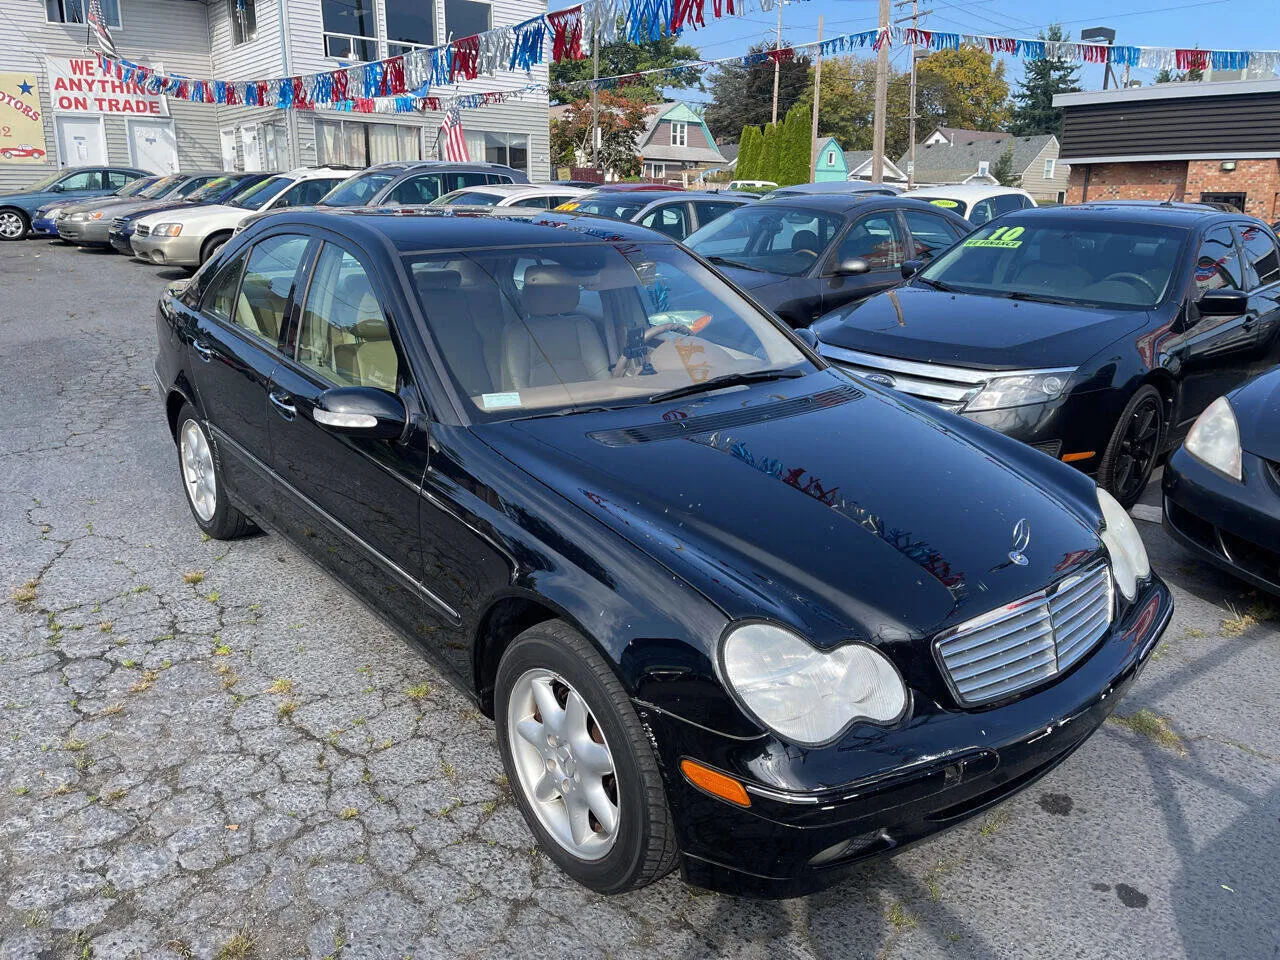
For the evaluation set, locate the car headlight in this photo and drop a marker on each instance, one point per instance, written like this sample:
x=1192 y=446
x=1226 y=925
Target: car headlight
x=1214 y=439
x=167 y=230
x=1129 y=563
x=806 y=695
x=1020 y=390
x=82 y=217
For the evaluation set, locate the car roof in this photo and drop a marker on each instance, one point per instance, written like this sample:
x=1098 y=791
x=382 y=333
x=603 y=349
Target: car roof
x=513 y=188
x=642 y=197
x=1133 y=211
x=839 y=202
x=392 y=166
x=425 y=229
x=966 y=191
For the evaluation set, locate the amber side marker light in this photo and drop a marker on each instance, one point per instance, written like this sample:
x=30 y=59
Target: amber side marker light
x=1073 y=457
x=715 y=783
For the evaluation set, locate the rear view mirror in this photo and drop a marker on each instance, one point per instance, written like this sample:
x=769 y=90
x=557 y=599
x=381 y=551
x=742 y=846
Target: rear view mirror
x=361 y=411
x=852 y=267
x=911 y=267
x=1223 y=303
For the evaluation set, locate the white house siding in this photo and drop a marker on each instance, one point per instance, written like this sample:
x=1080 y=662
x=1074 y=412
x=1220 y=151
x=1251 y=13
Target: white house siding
x=1034 y=181
x=171 y=32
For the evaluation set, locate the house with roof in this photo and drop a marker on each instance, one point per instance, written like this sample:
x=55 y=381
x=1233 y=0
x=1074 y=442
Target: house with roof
x=970 y=159
x=858 y=163
x=676 y=140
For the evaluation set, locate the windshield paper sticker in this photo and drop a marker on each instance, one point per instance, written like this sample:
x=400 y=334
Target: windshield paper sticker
x=949 y=204
x=500 y=401
x=1006 y=238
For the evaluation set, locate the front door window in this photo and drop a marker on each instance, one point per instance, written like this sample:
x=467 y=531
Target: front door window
x=344 y=336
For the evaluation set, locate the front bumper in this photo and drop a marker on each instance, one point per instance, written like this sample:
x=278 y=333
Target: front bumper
x=84 y=233
x=168 y=251
x=938 y=769
x=43 y=227
x=1233 y=524
x=121 y=241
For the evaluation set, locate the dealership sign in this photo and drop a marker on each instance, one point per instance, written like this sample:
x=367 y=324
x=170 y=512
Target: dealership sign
x=21 y=130
x=76 y=85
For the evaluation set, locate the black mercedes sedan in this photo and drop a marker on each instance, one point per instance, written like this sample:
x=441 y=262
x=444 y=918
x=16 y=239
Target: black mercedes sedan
x=803 y=256
x=730 y=610
x=676 y=213
x=1222 y=487
x=1095 y=333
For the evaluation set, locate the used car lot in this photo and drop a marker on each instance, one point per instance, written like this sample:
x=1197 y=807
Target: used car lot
x=1132 y=841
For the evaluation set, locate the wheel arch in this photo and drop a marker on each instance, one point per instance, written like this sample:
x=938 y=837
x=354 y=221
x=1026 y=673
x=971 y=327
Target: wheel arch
x=179 y=394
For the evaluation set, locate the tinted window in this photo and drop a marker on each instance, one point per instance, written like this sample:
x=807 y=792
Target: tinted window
x=957 y=207
x=344 y=335
x=612 y=207
x=771 y=237
x=931 y=234
x=476 y=198
x=1009 y=202
x=1260 y=251
x=982 y=211
x=1218 y=263
x=359 y=190
x=670 y=219
x=709 y=210
x=118 y=178
x=541 y=203
x=1074 y=260
x=420 y=189
x=159 y=188
x=202 y=189
x=875 y=238
x=220 y=297
x=85 y=180
x=268 y=282
x=305 y=193
x=264 y=192
x=458 y=181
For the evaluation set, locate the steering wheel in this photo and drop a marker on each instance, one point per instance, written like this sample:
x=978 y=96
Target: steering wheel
x=1134 y=279
x=811 y=254
x=654 y=332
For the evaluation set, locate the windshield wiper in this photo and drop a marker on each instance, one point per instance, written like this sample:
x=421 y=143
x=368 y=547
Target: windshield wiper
x=935 y=284
x=726 y=262
x=570 y=411
x=1038 y=298
x=728 y=380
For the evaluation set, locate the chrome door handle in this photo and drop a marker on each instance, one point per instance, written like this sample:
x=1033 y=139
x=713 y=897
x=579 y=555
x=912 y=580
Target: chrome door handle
x=203 y=352
x=283 y=407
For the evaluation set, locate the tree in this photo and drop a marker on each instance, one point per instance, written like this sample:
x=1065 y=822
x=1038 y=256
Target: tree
x=1034 y=112
x=621 y=122
x=742 y=96
x=623 y=57
x=750 y=148
x=963 y=88
x=847 y=108
x=796 y=150
x=1166 y=76
x=771 y=155
x=1002 y=170
x=1194 y=74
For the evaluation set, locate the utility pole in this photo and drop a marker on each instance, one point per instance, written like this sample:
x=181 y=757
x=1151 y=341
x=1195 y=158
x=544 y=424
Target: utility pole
x=817 y=92
x=911 y=112
x=777 y=65
x=595 y=93
x=882 y=99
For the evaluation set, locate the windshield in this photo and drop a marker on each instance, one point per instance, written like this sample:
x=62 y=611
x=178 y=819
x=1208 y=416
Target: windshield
x=158 y=188
x=958 y=207
x=261 y=193
x=1099 y=264
x=202 y=193
x=474 y=198
x=768 y=237
x=45 y=182
x=615 y=208
x=136 y=188
x=356 y=191
x=582 y=326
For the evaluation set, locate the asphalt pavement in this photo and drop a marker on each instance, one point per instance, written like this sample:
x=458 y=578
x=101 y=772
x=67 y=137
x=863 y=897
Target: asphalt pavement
x=213 y=750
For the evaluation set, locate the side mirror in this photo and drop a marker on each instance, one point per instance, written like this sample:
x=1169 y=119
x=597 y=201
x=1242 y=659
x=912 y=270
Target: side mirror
x=56 y=188
x=851 y=267
x=1223 y=303
x=361 y=412
x=911 y=267
x=809 y=337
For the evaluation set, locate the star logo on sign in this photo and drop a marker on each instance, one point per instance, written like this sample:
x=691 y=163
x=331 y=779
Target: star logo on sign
x=25 y=87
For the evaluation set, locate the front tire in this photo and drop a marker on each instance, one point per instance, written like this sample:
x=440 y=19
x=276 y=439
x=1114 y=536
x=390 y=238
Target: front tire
x=1134 y=447
x=203 y=480
x=211 y=246
x=579 y=762
x=14 y=223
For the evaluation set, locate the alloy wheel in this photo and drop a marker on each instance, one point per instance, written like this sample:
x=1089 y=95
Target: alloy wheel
x=563 y=763
x=11 y=225
x=197 y=471
x=1138 y=448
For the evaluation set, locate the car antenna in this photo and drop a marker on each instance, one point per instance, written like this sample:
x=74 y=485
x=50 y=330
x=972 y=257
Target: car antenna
x=1172 y=194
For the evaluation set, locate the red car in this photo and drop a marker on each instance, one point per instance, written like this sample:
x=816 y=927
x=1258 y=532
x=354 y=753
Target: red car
x=22 y=150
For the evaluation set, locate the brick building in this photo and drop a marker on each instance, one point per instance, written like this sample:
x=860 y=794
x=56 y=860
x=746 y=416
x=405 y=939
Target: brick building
x=1182 y=141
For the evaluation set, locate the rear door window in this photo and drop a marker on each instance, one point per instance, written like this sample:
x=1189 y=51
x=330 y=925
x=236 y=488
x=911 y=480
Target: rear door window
x=272 y=269
x=420 y=189
x=982 y=211
x=220 y=296
x=930 y=234
x=1009 y=202
x=875 y=238
x=709 y=210
x=671 y=219
x=1260 y=252
x=1218 y=263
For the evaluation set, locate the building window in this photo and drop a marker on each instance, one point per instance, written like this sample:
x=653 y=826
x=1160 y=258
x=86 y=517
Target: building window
x=509 y=148
x=244 y=21
x=831 y=158
x=350 y=32
x=355 y=144
x=72 y=11
x=1048 y=168
x=410 y=24
x=679 y=134
x=984 y=168
x=465 y=18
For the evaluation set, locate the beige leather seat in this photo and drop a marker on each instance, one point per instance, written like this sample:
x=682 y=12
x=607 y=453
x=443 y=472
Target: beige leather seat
x=369 y=361
x=551 y=344
x=456 y=315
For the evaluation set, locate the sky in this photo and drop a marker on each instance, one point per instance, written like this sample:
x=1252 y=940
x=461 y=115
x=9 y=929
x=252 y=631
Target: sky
x=1210 y=24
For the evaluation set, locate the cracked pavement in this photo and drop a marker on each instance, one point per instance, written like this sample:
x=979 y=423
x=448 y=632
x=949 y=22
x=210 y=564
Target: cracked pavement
x=205 y=745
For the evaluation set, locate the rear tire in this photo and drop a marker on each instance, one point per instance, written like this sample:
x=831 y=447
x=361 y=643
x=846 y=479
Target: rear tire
x=14 y=223
x=203 y=482
x=1134 y=447
x=603 y=762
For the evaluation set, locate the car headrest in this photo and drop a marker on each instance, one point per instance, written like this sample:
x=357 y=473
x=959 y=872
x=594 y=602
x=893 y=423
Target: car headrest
x=805 y=240
x=370 y=324
x=430 y=280
x=549 y=291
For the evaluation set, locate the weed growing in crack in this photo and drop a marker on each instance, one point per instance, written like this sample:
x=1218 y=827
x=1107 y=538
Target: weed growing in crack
x=25 y=594
x=994 y=822
x=193 y=577
x=239 y=947
x=145 y=681
x=420 y=692
x=1258 y=611
x=1149 y=724
x=897 y=915
x=285 y=710
x=348 y=813
x=213 y=596
x=281 y=685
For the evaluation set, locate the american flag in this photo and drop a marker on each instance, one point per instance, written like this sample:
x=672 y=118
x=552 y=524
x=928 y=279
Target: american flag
x=455 y=144
x=98 y=23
